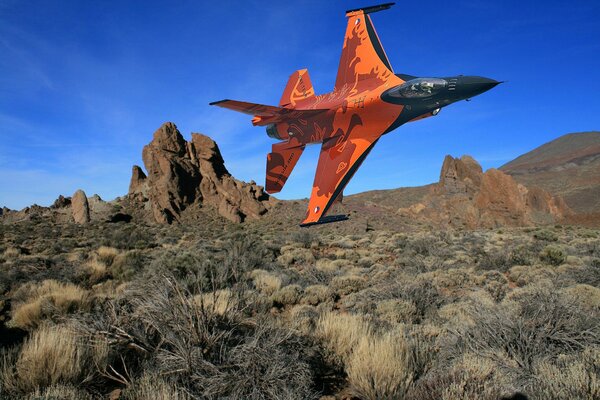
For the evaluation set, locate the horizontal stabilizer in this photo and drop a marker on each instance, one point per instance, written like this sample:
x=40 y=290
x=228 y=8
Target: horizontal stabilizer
x=326 y=220
x=265 y=115
x=371 y=9
x=298 y=88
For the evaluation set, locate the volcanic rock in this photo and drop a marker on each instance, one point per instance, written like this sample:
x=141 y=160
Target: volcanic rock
x=80 y=207
x=138 y=179
x=182 y=174
x=466 y=196
x=61 y=202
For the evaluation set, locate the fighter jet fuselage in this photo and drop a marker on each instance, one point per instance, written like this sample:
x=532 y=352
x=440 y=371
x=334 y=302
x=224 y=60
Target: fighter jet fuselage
x=368 y=101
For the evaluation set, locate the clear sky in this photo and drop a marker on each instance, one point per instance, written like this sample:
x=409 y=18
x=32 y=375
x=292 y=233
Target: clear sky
x=84 y=84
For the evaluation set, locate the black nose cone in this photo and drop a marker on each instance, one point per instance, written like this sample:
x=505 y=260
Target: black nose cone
x=470 y=86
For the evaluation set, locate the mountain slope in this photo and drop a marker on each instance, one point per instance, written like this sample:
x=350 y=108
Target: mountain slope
x=568 y=166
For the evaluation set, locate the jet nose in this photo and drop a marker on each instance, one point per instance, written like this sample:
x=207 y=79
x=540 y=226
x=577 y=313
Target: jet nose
x=470 y=86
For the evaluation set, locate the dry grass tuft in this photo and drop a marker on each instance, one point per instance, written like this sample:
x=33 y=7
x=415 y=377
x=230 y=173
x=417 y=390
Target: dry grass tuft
x=35 y=301
x=381 y=368
x=50 y=356
x=341 y=333
x=106 y=255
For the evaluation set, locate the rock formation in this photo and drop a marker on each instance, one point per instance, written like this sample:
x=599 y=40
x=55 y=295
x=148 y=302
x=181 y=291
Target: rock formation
x=182 y=174
x=466 y=196
x=80 y=207
x=61 y=202
x=138 y=178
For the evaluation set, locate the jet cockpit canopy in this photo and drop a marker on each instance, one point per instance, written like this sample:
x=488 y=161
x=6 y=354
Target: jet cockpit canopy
x=419 y=88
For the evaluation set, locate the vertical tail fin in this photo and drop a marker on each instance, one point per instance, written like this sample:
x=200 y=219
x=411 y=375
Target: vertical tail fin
x=299 y=87
x=363 y=56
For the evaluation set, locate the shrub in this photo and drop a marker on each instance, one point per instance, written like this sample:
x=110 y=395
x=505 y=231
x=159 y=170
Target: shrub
x=381 y=368
x=303 y=236
x=287 y=296
x=266 y=282
x=127 y=265
x=530 y=323
x=570 y=377
x=346 y=284
x=471 y=378
x=553 y=255
x=397 y=310
x=153 y=387
x=316 y=294
x=59 y=392
x=546 y=235
x=160 y=326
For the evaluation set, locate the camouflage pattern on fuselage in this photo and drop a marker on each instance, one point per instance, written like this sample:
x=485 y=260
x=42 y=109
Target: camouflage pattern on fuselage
x=366 y=103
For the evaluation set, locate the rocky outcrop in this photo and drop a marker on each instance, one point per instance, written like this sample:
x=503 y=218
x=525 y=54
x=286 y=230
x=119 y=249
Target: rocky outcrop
x=183 y=174
x=138 y=180
x=80 y=207
x=466 y=196
x=61 y=202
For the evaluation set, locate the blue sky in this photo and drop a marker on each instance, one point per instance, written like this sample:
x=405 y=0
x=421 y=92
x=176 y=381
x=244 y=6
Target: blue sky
x=83 y=85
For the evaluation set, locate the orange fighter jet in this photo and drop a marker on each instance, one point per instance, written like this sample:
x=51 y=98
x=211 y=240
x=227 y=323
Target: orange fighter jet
x=368 y=101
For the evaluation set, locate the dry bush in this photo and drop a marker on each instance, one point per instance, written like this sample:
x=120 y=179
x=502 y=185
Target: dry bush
x=546 y=235
x=209 y=350
x=266 y=282
x=381 y=367
x=290 y=255
x=346 y=284
x=495 y=283
x=586 y=296
x=553 y=255
x=570 y=377
x=316 y=294
x=287 y=296
x=33 y=302
x=397 y=310
x=59 y=392
x=127 y=265
x=304 y=318
x=340 y=334
x=530 y=325
x=524 y=274
x=470 y=378
x=304 y=237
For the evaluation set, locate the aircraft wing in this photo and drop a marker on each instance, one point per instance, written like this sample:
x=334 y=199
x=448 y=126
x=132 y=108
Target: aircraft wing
x=264 y=114
x=339 y=159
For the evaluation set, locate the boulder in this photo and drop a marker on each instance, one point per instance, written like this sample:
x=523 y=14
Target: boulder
x=80 y=207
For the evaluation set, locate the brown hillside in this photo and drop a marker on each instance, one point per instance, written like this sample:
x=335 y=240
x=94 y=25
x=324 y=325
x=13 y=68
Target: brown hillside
x=568 y=166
